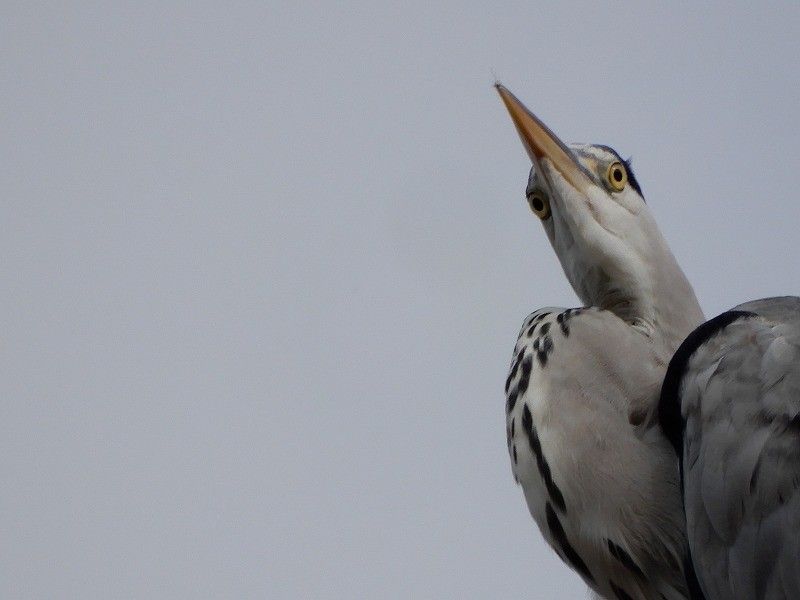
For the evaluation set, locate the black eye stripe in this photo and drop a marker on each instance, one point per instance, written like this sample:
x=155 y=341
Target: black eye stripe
x=631 y=177
x=532 y=178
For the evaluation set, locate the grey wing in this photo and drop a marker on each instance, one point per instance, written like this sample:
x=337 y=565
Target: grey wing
x=736 y=385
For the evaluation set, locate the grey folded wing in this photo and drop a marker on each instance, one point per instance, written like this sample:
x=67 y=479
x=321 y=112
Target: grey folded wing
x=731 y=406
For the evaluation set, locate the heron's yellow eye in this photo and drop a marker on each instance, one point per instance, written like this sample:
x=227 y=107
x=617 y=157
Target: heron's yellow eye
x=539 y=204
x=617 y=176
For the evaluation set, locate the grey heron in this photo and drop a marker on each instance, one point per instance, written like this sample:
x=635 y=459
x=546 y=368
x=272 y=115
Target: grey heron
x=658 y=453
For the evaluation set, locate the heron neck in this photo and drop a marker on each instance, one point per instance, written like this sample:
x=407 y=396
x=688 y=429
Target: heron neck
x=664 y=306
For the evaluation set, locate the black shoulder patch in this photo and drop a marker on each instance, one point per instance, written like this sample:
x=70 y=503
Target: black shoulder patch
x=669 y=405
x=669 y=409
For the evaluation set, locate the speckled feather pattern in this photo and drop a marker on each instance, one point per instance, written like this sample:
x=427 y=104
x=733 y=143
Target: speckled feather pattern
x=579 y=444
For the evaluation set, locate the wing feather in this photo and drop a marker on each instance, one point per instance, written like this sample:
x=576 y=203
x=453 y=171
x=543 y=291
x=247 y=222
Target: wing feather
x=738 y=390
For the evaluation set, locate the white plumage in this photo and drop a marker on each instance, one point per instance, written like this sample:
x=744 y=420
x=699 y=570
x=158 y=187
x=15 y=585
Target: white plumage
x=569 y=424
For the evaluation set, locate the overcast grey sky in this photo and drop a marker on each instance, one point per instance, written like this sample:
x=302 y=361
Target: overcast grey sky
x=263 y=266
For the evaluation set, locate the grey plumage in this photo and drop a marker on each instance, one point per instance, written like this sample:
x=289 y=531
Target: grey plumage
x=740 y=398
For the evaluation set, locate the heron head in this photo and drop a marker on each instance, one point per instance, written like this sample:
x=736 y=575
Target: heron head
x=598 y=223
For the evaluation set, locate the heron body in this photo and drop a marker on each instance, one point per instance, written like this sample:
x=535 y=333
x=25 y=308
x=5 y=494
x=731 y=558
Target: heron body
x=569 y=429
x=649 y=487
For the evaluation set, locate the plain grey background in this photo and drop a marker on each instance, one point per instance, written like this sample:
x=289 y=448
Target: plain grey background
x=263 y=266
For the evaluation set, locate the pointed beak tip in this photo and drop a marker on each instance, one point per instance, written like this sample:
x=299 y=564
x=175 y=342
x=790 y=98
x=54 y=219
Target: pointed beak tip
x=505 y=94
x=539 y=142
